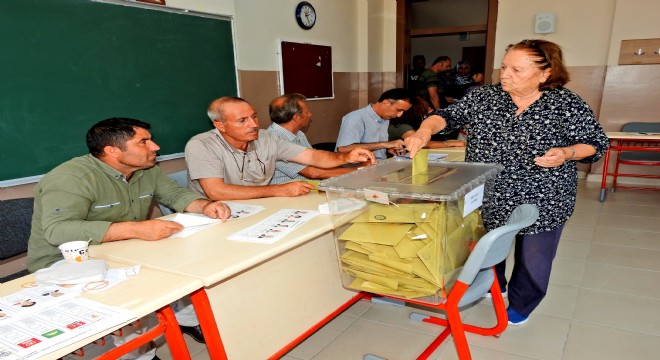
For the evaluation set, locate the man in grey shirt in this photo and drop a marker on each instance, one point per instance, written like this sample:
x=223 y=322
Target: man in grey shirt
x=236 y=160
x=291 y=115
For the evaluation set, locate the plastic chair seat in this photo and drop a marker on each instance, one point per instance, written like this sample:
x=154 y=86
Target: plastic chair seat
x=476 y=278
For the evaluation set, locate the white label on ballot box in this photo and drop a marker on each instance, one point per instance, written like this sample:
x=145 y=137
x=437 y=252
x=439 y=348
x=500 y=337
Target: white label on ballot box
x=376 y=196
x=473 y=200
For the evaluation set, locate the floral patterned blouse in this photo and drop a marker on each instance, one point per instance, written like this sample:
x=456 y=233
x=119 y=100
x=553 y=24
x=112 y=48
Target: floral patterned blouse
x=559 y=118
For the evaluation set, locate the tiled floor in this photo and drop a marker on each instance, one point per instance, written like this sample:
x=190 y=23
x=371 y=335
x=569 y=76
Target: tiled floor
x=603 y=302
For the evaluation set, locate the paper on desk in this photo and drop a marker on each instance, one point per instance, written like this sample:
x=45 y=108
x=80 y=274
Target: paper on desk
x=239 y=211
x=274 y=227
x=192 y=223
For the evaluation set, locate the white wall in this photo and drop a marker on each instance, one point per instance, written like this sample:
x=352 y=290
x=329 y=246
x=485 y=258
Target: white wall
x=219 y=7
x=357 y=30
x=634 y=19
x=582 y=28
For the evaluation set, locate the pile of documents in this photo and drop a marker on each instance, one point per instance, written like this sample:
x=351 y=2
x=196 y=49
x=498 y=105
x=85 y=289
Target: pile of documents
x=408 y=250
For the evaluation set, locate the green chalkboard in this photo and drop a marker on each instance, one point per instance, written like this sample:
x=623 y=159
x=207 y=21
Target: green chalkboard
x=67 y=64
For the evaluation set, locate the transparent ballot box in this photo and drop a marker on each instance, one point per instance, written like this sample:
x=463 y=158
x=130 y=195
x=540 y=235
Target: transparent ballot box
x=406 y=235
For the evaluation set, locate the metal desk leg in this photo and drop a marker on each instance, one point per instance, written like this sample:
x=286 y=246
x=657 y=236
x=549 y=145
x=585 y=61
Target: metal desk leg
x=168 y=326
x=603 y=184
x=210 y=330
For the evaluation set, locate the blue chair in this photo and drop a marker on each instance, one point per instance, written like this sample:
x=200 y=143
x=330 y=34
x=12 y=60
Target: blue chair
x=475 y=279
x=181 y=178
x=15 y=225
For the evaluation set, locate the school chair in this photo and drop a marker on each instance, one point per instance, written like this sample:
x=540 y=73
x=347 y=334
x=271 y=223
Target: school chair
x=181 y=178
x=475 y=280
x=643 y=158
x=15 y=225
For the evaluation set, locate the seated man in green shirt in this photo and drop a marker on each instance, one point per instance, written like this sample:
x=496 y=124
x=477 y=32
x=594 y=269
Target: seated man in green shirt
x=105 y=196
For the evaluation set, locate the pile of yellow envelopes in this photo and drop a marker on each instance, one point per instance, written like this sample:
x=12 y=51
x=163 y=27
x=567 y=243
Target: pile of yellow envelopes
x=409 y=250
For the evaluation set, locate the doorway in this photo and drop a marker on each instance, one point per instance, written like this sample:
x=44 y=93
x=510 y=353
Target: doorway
x=460 y=29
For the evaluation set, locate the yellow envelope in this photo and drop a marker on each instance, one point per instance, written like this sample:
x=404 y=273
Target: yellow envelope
x=361 y=262
x=368 y=286
x=386 y=234
x=408 y=248
x=381 y=213
x=420 y=163
x=380 y=280
x=458 y=250
x=350 y=245
x=399 y=264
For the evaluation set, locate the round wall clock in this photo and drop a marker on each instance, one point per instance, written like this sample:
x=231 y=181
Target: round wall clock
x=305 y=15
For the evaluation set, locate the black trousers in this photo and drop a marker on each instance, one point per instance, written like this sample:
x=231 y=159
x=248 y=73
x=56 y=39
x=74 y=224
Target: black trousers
x=533 y=257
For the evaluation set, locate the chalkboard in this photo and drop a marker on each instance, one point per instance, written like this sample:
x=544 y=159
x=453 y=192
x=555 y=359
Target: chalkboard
x=307 y=69
x=67 y=64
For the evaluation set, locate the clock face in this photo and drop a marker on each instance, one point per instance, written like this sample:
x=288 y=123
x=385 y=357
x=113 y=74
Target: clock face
x=305 y=15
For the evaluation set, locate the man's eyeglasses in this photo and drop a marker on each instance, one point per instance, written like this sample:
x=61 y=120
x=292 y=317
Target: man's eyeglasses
x=248 y=174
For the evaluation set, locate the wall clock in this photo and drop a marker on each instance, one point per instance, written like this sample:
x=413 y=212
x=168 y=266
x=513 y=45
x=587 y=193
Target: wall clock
x=305 y=15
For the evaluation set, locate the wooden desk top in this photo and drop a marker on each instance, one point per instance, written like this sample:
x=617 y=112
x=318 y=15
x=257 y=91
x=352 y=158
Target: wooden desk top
x=208 y=255
x=142 y=294
x=633 y=136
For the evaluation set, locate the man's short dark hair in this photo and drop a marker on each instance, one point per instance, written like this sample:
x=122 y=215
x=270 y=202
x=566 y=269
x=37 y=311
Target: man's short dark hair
x=283 y=108
x=395 y=94
x=112 y=132
x=441 y=59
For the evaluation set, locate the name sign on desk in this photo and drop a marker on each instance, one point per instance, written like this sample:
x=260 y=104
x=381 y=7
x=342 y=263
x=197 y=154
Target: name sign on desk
x=274 y=227
x=473 y=200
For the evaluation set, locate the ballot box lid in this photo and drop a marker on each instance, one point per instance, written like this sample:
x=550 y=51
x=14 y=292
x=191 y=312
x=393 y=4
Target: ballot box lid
x=444 y=180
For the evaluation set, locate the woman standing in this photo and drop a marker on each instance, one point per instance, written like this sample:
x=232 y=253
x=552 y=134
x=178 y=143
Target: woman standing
x=538 y=131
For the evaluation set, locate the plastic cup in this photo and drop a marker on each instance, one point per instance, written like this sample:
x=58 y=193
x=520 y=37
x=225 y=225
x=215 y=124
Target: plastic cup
x=74 y=251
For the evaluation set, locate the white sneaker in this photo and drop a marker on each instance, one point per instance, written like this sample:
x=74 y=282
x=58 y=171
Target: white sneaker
x=489 y=296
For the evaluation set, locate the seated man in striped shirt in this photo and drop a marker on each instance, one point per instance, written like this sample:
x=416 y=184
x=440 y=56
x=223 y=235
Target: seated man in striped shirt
x=291 y=115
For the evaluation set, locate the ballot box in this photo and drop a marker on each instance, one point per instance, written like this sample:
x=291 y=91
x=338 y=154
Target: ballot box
x=404 y=230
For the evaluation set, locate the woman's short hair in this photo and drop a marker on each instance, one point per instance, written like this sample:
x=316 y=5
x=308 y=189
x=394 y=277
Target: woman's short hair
x=547 y=55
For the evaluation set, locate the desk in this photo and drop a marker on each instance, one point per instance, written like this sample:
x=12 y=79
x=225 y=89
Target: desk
x=142 y=294
x=262 y=296
x=618 y=143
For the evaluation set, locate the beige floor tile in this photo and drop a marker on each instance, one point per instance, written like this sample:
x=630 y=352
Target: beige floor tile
x=593 y=342
x=567 y=272
x=398 y=316
x=357 y=309
x=587 y=218
x=198 y=351
x=588 y=204
x=621 y=311
x=573 y=250
x=542 y=337
x=627 y=237
x=558 y=302
x=625 y=256
x=322 y=338
x=623 y=280
x=288 y=357
x=635 y=197
x=478 y=353
x=632 y=209
x=365 y=337
x=582 y=233
x=611 y=220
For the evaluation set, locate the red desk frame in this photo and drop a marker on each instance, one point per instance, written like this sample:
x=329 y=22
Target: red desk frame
x=620 y=141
